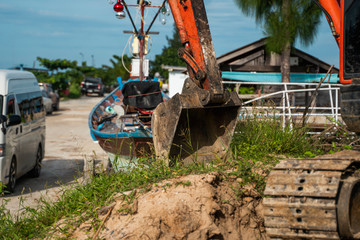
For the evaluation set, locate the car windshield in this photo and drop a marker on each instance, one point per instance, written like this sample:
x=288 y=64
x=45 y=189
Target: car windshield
x=44 y=93
x=93 y=80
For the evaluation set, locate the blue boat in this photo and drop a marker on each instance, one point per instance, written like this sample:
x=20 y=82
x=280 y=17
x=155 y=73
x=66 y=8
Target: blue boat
x=121 y=121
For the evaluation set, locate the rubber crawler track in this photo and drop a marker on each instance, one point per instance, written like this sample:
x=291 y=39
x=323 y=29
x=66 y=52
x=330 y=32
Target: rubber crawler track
x=303 y=198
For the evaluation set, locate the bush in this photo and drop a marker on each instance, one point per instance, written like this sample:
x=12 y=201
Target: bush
x=75 y=91
x=260 y=136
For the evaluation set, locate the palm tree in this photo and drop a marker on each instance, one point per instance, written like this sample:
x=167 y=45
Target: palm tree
x=284 y=21
x=117 y=69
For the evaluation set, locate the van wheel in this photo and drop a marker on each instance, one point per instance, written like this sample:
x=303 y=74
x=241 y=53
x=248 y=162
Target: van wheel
x=35 y=172
x=10 y=187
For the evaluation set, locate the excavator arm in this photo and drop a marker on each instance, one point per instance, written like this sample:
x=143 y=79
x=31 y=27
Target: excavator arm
x=197 y=124
x=320 y=198
x=198 y=52
x=344 y=20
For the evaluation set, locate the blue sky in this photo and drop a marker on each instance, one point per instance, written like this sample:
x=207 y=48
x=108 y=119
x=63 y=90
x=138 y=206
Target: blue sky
x=78 y=30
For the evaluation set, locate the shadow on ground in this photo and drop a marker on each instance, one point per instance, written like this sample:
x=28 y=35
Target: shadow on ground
x=54 y=173
x=58 y=112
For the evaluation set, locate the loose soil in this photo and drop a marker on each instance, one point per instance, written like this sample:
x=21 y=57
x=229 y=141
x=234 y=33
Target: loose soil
x=191 y=207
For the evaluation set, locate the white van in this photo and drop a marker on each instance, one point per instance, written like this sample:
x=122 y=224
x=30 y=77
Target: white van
x=22 y=134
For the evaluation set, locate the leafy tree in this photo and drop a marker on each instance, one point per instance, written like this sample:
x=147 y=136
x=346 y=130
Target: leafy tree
x=63 y=71
x=284 y=21
x=57 y=64
x=168 y=55
x=64 y=74
x=116 y=69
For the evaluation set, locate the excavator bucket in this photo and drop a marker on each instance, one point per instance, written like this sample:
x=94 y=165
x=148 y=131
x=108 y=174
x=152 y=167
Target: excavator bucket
x=198 y=124
x=183 y=129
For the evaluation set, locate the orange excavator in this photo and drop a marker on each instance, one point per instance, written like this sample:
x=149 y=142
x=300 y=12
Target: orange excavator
x=320 y=199
x=344 y=20
x=198 y=124
x=307 y=198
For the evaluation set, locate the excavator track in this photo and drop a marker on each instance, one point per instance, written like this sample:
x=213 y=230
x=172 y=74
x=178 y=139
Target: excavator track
x=313 y=199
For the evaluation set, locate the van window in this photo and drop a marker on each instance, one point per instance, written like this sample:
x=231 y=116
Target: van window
x=31 y=106
x=24 y=107
x=36 y=104
x=10 y=106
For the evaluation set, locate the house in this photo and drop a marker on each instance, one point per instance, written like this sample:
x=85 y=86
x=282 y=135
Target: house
x=254 y=58
x=252 y=63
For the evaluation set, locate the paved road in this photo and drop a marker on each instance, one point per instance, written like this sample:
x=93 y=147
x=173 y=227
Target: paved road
x=68 y=143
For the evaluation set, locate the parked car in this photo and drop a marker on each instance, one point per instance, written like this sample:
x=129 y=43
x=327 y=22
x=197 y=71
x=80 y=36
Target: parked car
x=22 y=135
x=52 y=94
x=47 y=102
x=92 y=85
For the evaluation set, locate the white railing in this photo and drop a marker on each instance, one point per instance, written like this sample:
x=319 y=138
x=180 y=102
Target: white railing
x=286 y=107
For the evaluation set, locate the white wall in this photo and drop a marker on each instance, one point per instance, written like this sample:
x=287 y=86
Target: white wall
x=176 y=82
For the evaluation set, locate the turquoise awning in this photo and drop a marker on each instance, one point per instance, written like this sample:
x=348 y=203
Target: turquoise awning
x=276 y=77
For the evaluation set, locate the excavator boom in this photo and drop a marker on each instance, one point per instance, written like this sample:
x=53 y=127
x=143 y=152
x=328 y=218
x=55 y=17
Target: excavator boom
x=197 y=124
x=344 y=20
x=191 y=21
x=320 y=198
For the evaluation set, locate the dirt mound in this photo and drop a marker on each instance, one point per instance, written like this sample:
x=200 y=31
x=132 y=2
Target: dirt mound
x=191 y=207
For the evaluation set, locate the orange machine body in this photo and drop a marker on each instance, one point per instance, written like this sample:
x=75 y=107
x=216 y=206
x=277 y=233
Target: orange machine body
x=336 y=10
x=191 y=21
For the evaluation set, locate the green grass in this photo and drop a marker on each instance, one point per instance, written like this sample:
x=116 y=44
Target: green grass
x=258 y=145
x=74 y=91
x=258 y=138
x=255 y=148
x=85 y=200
